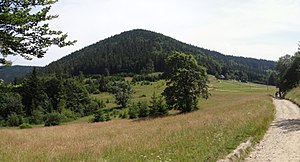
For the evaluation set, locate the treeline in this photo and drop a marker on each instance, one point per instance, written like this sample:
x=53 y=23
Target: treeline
x=147 y=77
x=142 y=52
x=53 y=99
x=48 y=100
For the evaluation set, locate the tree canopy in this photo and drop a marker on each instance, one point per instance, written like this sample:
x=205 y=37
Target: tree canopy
x=288 y=68
x=24 y=31
x=186 y=82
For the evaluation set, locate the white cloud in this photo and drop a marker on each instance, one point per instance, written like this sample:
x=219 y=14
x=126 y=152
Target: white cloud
x=264 y=29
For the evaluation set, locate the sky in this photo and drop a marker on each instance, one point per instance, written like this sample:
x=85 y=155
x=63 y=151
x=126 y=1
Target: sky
x=263 y=29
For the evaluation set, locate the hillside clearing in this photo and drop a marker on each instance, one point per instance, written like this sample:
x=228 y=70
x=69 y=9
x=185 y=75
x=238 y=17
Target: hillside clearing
x=223 y=121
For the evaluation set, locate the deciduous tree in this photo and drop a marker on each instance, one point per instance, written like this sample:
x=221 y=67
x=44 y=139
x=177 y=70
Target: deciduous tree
x=186 y=82
x=122 y=91
x=288 y=68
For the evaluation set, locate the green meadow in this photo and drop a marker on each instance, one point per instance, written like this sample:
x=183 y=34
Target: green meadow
x=234 y=112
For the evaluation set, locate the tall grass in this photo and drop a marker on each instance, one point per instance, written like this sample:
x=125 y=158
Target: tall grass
x=225 y=120
x=294 y=95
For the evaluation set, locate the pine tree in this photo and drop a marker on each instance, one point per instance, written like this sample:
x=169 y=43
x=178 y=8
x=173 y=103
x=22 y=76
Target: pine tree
x=143 y=109
x=133 y=111
x=154 y=107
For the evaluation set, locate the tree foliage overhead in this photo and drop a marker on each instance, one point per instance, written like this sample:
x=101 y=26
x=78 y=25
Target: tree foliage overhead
x=186 y=82
x=141 y=51
x=24 y=31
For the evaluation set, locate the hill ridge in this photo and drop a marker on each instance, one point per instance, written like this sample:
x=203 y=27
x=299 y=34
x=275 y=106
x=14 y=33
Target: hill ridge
x=141 y=51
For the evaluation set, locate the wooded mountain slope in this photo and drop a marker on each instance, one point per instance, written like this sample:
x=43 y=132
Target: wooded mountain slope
x=142 y=51
x=9 y=73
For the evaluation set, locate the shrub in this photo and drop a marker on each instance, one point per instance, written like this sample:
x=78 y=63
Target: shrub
x=91 y=108
x=153 y=105
x=147 y=77
x=25 y=126
x=124 y=114
x=143 y=96
x=143 y=109
x=122 y=92
x=107 y=117
x=145 y=83
x=14 y=120
x=115 y=113
x=68 y=115
x=133 y=111
x=52 y=119
x=99 y=116
x=37 y=117
x=162 y=107
x=2 y=123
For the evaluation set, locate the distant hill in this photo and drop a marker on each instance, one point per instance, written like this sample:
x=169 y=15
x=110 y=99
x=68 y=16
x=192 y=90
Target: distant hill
x=9 y=73
x=140 y=51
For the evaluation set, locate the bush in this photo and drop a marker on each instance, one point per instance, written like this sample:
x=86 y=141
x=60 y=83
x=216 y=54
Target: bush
x=143 y=109
x=115 y=113
x=143 y=96
x=68 y=115
x=91 y=108
x=53 y=119
x=145 y=83
x=100 y=116
x=25 y=126
x=133 y=111
x=162 y=107
x=147 y=77
x=122 y=92
x=37 y=117
x=3 y=123
x=124 y=114
x=107 y=117
x=14 y=120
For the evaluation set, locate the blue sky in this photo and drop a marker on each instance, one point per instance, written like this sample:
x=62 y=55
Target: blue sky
x=265 y=29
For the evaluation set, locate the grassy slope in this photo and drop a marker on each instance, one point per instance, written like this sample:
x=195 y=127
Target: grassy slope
x=234 y=112
x=294 y=95
x=141 y=93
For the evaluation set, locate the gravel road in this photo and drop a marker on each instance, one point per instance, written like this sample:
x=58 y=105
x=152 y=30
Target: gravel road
x=281 y=142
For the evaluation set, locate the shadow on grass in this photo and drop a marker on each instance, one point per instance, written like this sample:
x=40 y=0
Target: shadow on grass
x=289 y=125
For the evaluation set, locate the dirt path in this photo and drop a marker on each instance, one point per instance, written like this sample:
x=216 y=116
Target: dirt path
x=282 y=141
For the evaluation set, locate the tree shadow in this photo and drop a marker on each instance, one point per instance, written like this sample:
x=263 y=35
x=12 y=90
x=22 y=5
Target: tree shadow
x=149 y=118
x=158 y=116
x=289 y=125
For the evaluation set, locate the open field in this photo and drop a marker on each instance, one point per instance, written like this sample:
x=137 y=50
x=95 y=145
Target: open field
x=234 y=112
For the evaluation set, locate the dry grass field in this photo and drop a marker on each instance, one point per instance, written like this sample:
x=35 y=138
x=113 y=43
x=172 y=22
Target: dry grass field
x=234 y=112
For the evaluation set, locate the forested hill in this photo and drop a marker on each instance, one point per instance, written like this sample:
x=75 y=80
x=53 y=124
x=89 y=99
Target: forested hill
x=9 y=73
x=142 y=51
